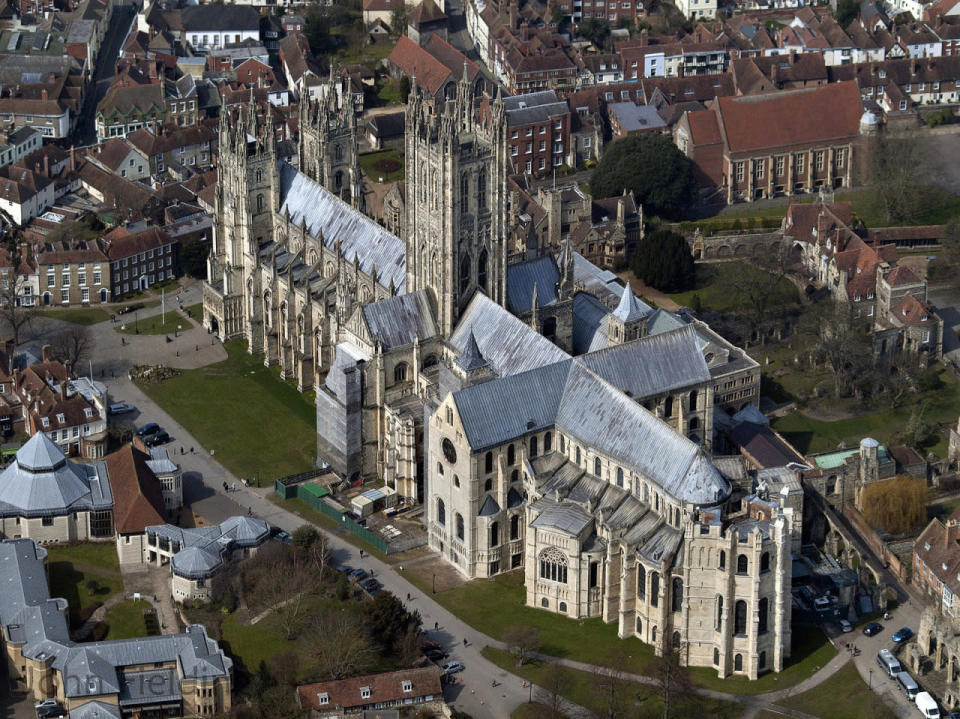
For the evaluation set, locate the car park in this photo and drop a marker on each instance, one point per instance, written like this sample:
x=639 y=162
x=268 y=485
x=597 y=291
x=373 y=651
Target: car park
x=890 y=664
x=120 y=408
x=148 y=429
x=452 y=667
x=872 y=628
x=902 y=634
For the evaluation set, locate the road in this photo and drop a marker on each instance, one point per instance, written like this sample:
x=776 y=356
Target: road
x=120 y=23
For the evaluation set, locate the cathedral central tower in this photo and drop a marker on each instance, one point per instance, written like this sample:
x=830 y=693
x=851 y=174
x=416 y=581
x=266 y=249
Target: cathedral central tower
x=456 y=158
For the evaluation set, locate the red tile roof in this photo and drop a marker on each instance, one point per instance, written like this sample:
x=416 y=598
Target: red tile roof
x=902 y=276
x=384 y=689
x=137 y=493
x=911 y=311
x=828 y=113
x=414 y=61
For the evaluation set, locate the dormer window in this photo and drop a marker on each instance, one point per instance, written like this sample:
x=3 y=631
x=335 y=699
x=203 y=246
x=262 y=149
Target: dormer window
x=883 y=74
x=923 y=318
x=904 y=311
x=859 y=270
x=926 y=546
x=88 y=412
x=406 y=685
x=61 y=419
x=45 y=422
x=364 y=692
x=869 y=295
x=323 y=699
x=856 y=298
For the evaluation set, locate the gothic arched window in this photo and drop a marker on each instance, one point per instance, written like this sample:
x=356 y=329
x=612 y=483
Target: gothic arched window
x=515 y=527
x=742 y=564
x=338 y=180
x=533 y=447
x=693 y=400
x=548 y=441
x=464 y=192
x=641 y=582
x=619 y=476
x=464 y=273
x=654 y=589
x=482 y=271
x=338 y=153
x=400 y=372
x=441 y=512
x=488 y=462
x=677 y=594
x=460 y=526
x=482 y=189
x=495 y=534
x=259 y=203
x=668 y=407
x=765 y=562
x=511 y=455
x=553 y=565
x=597 y=466
x=762 y=613
x=738 y=663
x=740 y=617
x=719 y=621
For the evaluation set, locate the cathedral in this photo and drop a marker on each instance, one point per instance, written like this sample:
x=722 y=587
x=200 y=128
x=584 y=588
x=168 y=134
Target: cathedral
x=547 y=420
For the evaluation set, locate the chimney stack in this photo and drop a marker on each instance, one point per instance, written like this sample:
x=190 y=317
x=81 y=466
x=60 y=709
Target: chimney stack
x=45 y=353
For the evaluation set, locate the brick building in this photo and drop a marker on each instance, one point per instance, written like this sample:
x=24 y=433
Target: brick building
x=140 y=256
x=538 y=127
x=73 y=273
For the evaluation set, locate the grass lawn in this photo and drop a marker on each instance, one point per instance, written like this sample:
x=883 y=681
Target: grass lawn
x=810 y=435
x=942 y=510
x=370 y=54
x=580 y=688
x=302 y=509
x=155 y=325
x=72 y=567
x=389 y=92
x=858 y=702
x=810 y=652
x=714 y=285
x=78 y=315
x=126 y=620
x=251 y=402
x=195 y=312
x=387 y=164
x=494 y=606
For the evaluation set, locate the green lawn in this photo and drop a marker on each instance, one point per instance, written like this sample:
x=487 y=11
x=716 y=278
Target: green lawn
x=581 y=688
x=155 y=325
x=857 y=702
x=195 y=312
x=71 y=567
x=810 y=652
x=714 y=285
x=387 y=164
x=126 y=619
x=79 y=315
x=494 y=606
x=370 y=54
x=257 y=426
x=812 y=436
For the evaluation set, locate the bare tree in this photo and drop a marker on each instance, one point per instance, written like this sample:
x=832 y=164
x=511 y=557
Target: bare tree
x=14 y=317
x=283 y=581
x=555 y=681
x=72 y=344
x=613 y=691
x=842 y=342
x=898 y=174
x=346 y=648
x=672 y=682
x=758 y=289
x=522 y=640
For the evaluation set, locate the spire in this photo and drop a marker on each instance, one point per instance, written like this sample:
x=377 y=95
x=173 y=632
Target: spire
x=471 y=358
x=630 y=308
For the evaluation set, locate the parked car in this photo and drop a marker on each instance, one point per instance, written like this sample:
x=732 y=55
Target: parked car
x=435 y=655
x=344 y=568
x=148 y=429
x=48 y=709
x=120 y=408
x=822 y=602
x=845 y=626
x=872 y=628
x=452 y=667
x=428 y=645
x=126 y=309
x=371 y=585
x=358 y=575
x=902 y=634
x=157 y=438
x=283 y=537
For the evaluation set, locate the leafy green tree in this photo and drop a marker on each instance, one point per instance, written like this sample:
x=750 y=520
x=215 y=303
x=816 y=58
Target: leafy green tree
x=847 y=11
x=660 y=176
x=663 y=260
x=304 y=536
x=596 y=30
x=398 y=19
x=389 y=621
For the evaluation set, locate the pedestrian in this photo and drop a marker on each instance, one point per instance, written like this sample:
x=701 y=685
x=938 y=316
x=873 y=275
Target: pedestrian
x=436 y=626
x=401 y=567
x=408 y=596
x=191 y=450
x=464 y=641
x=181 y=451
x=361 y=554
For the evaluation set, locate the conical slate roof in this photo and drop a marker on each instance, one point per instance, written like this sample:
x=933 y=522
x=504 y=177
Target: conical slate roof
x=245 y=530
x=41 y=478
x=471 y=358
x=630 y=308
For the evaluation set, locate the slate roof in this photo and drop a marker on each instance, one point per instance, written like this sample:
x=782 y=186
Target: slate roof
x=359 y=237
x=590 y=323
x=533 y=107
x=203 y=548
x=630 y=308
x=28 y=616
x=521 y=278
x=41 y=481
x=509 y=345
x=397 y=320
x=471 y=358
x=583 y=405
x=216 y=18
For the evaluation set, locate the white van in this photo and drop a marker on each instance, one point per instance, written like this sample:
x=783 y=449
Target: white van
x=927 y=706
x=889 y=663
x=908 y=684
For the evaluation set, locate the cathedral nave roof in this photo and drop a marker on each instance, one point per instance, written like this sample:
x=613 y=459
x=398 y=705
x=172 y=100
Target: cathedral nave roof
x=359 y=237
x=397 y=320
